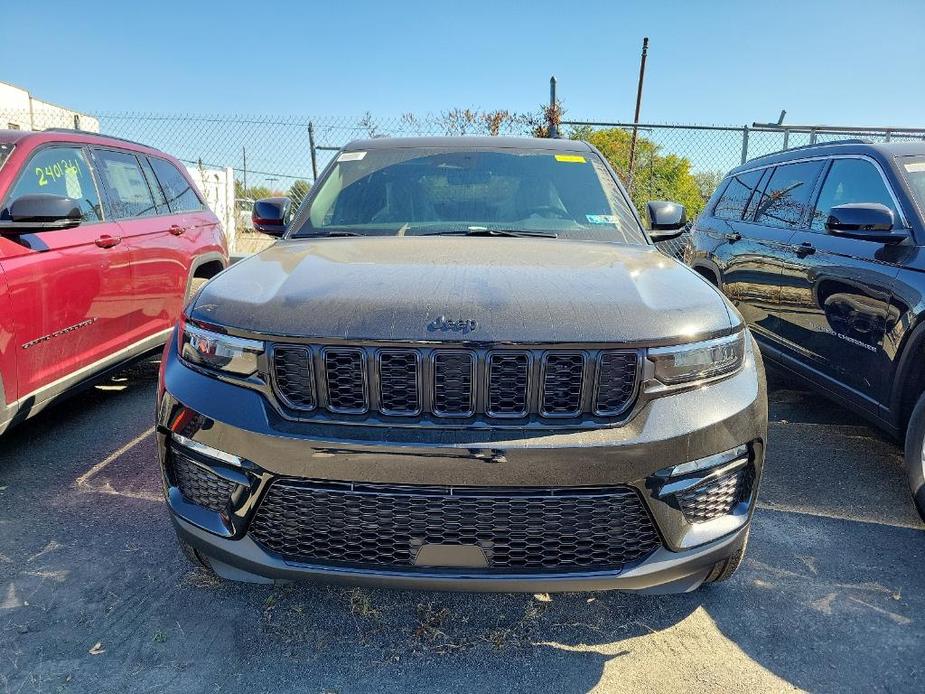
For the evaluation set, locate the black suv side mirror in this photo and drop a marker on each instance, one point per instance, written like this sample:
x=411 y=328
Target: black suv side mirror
x=271 y=215
x=666 y=219
x=28 y=214
x=867 y=221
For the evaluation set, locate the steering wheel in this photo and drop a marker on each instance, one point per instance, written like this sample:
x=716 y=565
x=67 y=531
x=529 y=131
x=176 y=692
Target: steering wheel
x=548 y=211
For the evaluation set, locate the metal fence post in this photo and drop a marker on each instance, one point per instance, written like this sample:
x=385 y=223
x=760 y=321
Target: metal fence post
x=552 y=116
x=787 y=139
x=311 y=145
x=812 y=136
x=744 y=144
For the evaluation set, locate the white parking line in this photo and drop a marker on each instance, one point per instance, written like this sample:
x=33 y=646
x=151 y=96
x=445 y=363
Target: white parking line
x=83 y=482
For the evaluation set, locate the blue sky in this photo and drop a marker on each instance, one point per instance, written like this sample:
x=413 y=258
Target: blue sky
x=845 y=62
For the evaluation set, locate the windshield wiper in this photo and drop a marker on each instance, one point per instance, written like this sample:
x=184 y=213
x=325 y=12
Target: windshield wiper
x=483 y=231
x=326 y=234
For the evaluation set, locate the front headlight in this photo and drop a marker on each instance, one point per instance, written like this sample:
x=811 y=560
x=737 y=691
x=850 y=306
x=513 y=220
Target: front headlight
x=698 y=360
x=213 y=350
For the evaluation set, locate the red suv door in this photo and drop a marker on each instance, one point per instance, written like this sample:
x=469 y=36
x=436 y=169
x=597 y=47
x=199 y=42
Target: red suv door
x=69 y=290
x=153 y=236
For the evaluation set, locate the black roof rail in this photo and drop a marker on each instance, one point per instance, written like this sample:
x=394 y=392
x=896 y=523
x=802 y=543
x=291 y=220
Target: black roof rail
x=850 y=141
x=90 y=132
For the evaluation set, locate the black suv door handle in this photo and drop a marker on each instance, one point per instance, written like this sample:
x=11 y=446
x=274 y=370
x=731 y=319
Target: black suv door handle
x=733 y=237
x=804 y=249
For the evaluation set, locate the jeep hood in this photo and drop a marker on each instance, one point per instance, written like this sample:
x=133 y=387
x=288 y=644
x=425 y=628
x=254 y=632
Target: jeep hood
x=515 y=289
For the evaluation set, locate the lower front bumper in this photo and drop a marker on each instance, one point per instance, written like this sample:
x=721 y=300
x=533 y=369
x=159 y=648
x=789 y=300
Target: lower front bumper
x=662 y=572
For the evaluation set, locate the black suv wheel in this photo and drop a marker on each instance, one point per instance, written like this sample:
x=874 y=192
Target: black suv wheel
x=915 y=462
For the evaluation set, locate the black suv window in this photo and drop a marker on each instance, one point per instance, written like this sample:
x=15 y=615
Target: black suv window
x=180 y=195
x=786 y=199
x=851 y=180
x=732 y=202
x=60 y=171
x=126 y=183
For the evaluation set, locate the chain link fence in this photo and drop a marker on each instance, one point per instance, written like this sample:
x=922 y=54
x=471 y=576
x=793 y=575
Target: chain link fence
x=244 y=158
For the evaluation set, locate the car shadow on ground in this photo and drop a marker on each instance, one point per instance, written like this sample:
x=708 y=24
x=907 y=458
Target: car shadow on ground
x=94 y=594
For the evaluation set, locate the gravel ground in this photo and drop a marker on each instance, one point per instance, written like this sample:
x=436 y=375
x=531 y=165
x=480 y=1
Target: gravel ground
x=95 y=596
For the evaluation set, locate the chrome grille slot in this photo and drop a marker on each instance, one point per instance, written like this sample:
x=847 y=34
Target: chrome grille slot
x=294 y=377
x=562 y=380
x=453 y=379
x=345 y=376
x=616 y=382
x=399 y=383
x=507 y=384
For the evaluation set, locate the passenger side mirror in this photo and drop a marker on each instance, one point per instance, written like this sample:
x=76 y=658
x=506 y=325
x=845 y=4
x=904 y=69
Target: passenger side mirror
x=867 y=221
x=666 y=219
x=271 y=215
x=41 y=212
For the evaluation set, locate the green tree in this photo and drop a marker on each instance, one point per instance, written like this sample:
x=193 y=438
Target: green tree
x=708 y=181
x=298 y=191
x=657 y=176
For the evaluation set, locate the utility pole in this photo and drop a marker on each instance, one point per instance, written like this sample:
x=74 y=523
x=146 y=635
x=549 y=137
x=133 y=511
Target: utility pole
x=642 y=76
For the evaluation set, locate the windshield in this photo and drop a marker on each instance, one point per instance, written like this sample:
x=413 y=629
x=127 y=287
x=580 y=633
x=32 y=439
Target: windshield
x=425 y=190
x=913 y=169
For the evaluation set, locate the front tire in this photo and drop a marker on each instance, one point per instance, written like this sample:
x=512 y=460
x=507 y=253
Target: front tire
x=915 y=463
x=194 y=556
x=724 y=569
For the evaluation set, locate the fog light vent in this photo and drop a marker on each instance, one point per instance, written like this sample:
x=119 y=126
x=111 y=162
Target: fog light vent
x=718 y=497
x=198 y=485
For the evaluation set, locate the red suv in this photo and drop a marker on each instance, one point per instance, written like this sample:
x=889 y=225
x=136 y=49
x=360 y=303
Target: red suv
x=101 y=242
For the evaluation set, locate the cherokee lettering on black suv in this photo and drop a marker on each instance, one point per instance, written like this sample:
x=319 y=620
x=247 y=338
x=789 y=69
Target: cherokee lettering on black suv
x=821 y=249
x=464 y=366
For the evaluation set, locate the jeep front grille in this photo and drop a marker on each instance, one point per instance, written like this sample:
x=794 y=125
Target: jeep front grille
x=376 y=525
x=511 y=384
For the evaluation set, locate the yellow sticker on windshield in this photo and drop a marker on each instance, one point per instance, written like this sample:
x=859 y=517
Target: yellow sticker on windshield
x=574 y=158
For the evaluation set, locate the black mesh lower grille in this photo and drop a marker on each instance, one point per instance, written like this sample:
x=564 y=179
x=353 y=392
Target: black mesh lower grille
x=717 y=498
x=197 y=484
x=385 y=526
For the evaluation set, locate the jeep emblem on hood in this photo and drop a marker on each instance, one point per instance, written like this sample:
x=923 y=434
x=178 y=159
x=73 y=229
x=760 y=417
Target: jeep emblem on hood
x=462 y=325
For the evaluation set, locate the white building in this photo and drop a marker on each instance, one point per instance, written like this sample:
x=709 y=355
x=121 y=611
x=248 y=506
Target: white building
x=19 y=110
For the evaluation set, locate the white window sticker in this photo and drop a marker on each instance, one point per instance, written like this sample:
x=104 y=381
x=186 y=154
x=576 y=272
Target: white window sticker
x=916 y=167
x=351 y=156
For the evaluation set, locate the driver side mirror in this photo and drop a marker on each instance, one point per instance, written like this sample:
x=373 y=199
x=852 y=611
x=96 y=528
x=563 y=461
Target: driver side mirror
x=41 y=212
x=666 y=219
x=271 y=215
x=866 y=221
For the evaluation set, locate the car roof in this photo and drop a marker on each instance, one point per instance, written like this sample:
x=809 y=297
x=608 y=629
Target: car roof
x=470 y=142
x=68 y=135
x=880 y=150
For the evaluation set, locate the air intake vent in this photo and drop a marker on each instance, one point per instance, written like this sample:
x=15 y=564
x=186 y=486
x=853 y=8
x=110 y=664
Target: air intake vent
x=453 y=377
x=293 y=373
x=507 y=384
x=399 y=383
x=562 y=378
x=616 y=382
x=345 y=371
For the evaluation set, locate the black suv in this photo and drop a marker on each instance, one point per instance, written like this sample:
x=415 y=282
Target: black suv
x=821 y=249
x=464 y=366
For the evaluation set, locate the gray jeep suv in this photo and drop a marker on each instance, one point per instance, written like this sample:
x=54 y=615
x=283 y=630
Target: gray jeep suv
x=464 y=366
